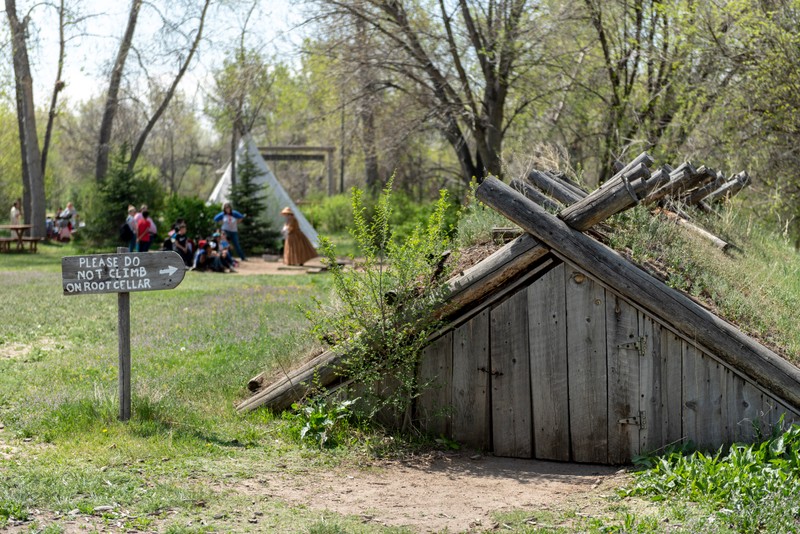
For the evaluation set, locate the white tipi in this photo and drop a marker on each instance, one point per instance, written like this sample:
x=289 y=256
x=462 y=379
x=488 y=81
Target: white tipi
x=276 y=196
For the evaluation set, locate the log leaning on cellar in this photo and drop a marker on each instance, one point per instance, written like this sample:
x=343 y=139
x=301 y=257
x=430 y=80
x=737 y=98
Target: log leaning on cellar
x=620 y=196
x=692 y=320
x=554 y=188
x=534 y=194
x=295 y=384
x=729 y=188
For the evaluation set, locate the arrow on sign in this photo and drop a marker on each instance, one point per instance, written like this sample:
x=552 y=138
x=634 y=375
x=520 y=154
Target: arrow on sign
x=169 y=271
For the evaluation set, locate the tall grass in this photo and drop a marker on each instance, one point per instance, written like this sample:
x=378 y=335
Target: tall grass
x=755 y=286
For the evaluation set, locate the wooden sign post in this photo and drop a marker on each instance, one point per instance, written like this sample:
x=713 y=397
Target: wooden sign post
x=122 y=273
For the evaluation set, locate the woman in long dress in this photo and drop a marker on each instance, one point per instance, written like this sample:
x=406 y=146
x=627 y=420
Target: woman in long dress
x=297 y=249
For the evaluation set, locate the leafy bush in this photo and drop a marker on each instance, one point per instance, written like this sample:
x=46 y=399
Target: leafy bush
x=198 y=216
x=754 y=487
x=12 y=510
x=322 y=421
x=383 y=310
x=330 y=214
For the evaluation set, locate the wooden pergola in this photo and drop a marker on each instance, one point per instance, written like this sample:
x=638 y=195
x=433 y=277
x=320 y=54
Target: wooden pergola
x=302 y=153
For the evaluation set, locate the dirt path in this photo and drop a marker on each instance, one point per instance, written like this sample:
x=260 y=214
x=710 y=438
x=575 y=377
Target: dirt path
x=458 y=492
x=256 y=265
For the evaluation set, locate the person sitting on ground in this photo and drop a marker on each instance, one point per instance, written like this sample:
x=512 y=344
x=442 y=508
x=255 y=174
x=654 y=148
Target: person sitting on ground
x=205 y=259
x=224 y=252
x=182 y=245
x=297 y=249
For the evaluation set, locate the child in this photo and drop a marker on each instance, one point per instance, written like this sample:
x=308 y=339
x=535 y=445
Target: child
x=182 y=245
x=206 y=259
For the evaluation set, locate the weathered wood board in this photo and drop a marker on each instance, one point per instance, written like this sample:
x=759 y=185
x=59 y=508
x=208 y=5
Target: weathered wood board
x=470 y=397
x=586 y=356
x=651 y=385
x=512 y=428
x=624 y=349
x=744 y=406
x=547 y=329
x=703 y=391
x=435 y=375
x=121 y=272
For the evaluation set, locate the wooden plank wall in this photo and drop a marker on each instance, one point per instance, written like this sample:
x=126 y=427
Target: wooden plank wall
x=471 y=399
x=547 y=334
x=565 y=369
x=512 y=421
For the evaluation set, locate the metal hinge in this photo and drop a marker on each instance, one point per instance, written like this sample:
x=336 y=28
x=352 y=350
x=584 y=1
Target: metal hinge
x=636 y=421
x=640 y=345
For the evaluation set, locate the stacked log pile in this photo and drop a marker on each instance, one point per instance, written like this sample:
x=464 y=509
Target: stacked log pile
x=668 y=190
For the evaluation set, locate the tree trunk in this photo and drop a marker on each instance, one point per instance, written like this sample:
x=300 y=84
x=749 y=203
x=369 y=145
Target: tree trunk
x=112 y=97
x=137 y=149
x=58 y=85
x=29 y=142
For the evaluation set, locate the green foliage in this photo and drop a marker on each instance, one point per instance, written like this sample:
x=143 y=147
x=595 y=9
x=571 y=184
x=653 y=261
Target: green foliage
x=321 y=422
x=476 y=222
x=199 y=216
x=106 y=206
x=383 y=310
x=12 y=510
x=755 y=288
x=247 y=197
x=754 y=487
x=330 y=215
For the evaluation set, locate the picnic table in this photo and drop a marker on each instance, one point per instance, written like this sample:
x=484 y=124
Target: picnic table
x=19 y=240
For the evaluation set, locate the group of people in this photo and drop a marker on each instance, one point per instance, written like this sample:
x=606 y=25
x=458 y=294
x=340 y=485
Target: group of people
x=213 y=253
x=210 y=254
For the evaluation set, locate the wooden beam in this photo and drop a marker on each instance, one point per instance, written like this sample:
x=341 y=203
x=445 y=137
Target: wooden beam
x=295 y=384
x=533 y=194
x=679 y=178
x=562 y=178
x=483 y=278
x=729 y=188
x=617 y=197
x=693 y=321
x=698 y=231
x=553 y=188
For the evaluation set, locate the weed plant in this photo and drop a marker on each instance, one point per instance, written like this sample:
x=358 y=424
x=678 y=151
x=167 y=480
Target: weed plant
x=752 y=488
x=383 y=310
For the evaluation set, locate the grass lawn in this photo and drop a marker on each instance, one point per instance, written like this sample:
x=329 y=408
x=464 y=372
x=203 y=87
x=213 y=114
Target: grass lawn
x=193 y=348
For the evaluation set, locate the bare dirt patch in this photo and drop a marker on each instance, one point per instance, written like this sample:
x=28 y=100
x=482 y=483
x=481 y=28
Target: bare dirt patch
x=456 y=492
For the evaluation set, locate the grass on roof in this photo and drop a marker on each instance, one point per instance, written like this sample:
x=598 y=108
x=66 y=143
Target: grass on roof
x=756 y=286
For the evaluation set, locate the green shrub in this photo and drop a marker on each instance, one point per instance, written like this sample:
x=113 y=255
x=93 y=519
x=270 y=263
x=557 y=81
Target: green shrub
x=753 y=487
x=321 y=422
x=199 y=217
x=382 y=312
x=106 y=207
x=330 y=214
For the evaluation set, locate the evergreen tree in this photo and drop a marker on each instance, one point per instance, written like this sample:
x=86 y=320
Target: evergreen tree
x=107 y=206
x=247 y=197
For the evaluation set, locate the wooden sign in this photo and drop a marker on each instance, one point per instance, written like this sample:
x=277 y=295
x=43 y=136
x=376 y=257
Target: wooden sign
x=121 y=273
